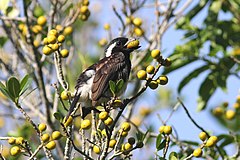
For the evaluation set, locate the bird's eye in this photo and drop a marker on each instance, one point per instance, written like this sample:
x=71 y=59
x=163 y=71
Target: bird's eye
x=119 y=43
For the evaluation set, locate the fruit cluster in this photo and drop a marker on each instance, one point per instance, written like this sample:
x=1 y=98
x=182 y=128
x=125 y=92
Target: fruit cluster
x=150 y=70
x=53 y=42
x=49 y=141
x=207 y=142
x=137 y=23
x=223 y=111
x=84 y=10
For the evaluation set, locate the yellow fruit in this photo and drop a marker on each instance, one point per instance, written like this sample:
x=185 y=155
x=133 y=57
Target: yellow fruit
x=144 y=111
x=131 y=140
x=96 y=149
x=112 y=143
x=68 y=30
x=128 y=20
x=153 y=84
x=36 y=43
x=155 y=53
x=167 y=129
x=11 y=140
x=211 y=141
x=45 y=137
x=104 y=133
x=102 y=42
x=61 y=38
x=138 y=32
x=51 y=145
x=65 y=95
x=21 y=26
x=214 y=139
x=53 y=32
x=47 y=50
x=56 y=135
x=64 y=53
x=236 y=105
x=167 y=62
x=133 y=44
x=123 y=133
x=218 y=111
x=197 y=152
x=42 y=127
x=103 y=115
x=161 y=129
x=230 y=114
x=202 y=136
x=15 y=150
x=108 y=121
x=137 y=22
x=117 y=103
x=85 y=124
x=19 y=140
x=45 y=41
x=107 y=26
x=51 y=39
x=126 y=126
x=84 y=9
x=55 y=47
x=68 y=121
x=83 y=17
x=41 y=20
x=36 y=28
x=150 y=69
x=127 y=146
x=142 y=75
x=85 y=2
x=162 y=80
x=59 y=27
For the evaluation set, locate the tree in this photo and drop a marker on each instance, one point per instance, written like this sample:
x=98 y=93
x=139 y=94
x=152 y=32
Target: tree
x=46 y=45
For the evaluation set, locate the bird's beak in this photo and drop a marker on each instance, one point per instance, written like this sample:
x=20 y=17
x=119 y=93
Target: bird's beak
x=132 y=44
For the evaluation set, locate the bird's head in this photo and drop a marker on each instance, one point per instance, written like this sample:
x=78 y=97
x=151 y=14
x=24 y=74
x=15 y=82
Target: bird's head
x=121 y=44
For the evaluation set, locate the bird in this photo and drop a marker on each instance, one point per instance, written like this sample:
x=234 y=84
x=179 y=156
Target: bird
x=92 y=85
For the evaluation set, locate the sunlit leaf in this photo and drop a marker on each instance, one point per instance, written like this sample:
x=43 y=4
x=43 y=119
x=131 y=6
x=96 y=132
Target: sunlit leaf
x=13 y=87
x=112 y=86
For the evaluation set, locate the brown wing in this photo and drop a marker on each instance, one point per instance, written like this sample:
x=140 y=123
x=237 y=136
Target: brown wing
x=108 y=69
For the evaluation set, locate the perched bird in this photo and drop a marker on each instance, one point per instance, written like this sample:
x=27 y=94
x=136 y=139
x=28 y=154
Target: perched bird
x=93 y=84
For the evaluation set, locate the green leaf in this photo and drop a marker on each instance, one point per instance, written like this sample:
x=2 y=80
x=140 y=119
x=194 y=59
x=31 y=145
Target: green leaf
x=141 y=136
x=162 y=145
x=112 y=86
x=3 y=40
x=58 y=116
x=225 y=140
x=191 y=76
x=207 y=89
x=158 y=141
x=24 y=84
x=173 y=156
x=119 y=85
x=4 y=90
x=13 y=87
